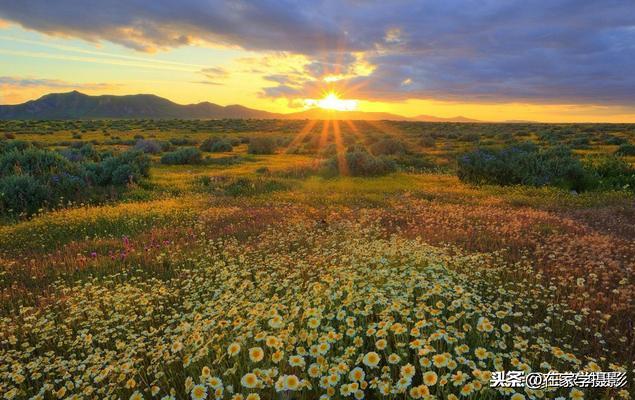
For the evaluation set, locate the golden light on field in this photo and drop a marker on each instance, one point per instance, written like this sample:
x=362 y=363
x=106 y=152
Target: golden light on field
x=332 y=101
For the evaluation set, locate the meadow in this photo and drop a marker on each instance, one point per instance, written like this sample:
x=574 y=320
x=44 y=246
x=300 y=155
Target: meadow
x=266 y=259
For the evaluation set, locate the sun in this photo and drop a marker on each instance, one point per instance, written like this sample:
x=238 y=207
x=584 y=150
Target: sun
x=332 y=101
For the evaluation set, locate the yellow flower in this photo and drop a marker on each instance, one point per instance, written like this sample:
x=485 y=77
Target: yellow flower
x=357 y=374
x=136 y=396
x=517 y=396
x=233 y=349
x=430 y=378
x=394 y=358
x=439 y=360
x=253 y=396
x=291 y=382
x=296 y=361
x=371 y=359
x=256 y=354
x=480 y=353
x=576 y=394
x=249 y=380
x=277 y=356
x=408 y=370
x=199 y=392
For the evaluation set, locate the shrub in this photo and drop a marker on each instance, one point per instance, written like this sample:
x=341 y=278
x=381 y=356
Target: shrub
x=33 y=178
x=611 y=173
x=127 y=167
x=387 y=147
x=626 y=149
x=261 y=145
x=183 y=142
x=148 y=146
x=216 y=145
x=21 y=194
x=427 y=141
x=361 y=163
x=187 y=155
x=524 y=164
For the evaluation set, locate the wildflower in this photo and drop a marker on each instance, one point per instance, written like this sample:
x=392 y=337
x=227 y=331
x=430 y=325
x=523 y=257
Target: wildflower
x=249 y=380
x=357 y=374
x=296 y=361
x=136 y=396
x=576 y=394
x=371 y=359
x=256 y=354
x=408 y=370
x=233 y=349
x=291 y=382
x=430 y=378
x=198 y=392
x=480 y=353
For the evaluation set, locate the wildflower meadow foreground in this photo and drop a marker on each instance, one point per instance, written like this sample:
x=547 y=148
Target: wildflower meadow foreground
x=260 y=280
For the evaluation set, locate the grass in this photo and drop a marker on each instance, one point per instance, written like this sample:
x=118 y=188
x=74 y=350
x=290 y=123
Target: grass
x=407 y=285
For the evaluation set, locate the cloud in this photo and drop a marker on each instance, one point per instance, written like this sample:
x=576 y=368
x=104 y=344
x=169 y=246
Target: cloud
x=543 y=51
x=18 y=89
x=215 y=72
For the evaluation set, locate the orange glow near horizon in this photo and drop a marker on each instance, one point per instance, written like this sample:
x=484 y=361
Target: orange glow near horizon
x=332 y=101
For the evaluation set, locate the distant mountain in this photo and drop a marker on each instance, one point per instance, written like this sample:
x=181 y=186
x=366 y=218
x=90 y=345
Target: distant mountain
x=76 y=105
x=319 y=113
x=430 y=118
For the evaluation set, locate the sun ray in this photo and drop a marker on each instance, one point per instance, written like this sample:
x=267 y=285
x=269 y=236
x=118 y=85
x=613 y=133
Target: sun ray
x=342 y=164
x=356 y=132
x=325 y=134
x=387 y=129
x=300 y=136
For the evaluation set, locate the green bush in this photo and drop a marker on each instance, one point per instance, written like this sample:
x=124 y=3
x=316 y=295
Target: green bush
x=261 y=145
x=216 y=145
x=524 y=164
x=21 y=194
x=387 y=147
x=611 y=173
x=360 y=163
x=626 y=149
x=186 y=155
x=33 y=178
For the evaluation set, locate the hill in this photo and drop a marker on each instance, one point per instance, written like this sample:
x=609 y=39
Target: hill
x=76 y=105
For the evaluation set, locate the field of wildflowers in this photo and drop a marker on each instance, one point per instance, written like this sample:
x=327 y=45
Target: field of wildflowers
x=206 y=284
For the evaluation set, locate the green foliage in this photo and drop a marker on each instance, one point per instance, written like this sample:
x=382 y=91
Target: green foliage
x=611 y=173
x=387 y=147
x=626 y=149
x=261 y=145
x=524 y=164
x=216 y=145
x=21 y=193
x=360 y=163
x=237 y=187
x=33 y=178
x=186 y=155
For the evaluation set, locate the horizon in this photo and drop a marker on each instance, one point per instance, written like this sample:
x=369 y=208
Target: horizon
x=550 y=62
x=317 y=108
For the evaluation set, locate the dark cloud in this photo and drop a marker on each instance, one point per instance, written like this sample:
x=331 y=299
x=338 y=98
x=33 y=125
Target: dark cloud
x=19 y=82
x=548 y=51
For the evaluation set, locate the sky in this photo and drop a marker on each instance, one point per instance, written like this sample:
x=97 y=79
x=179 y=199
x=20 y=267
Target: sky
x=493 y=60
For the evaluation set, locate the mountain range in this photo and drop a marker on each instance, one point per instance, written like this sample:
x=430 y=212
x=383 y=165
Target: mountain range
x=76 y=105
